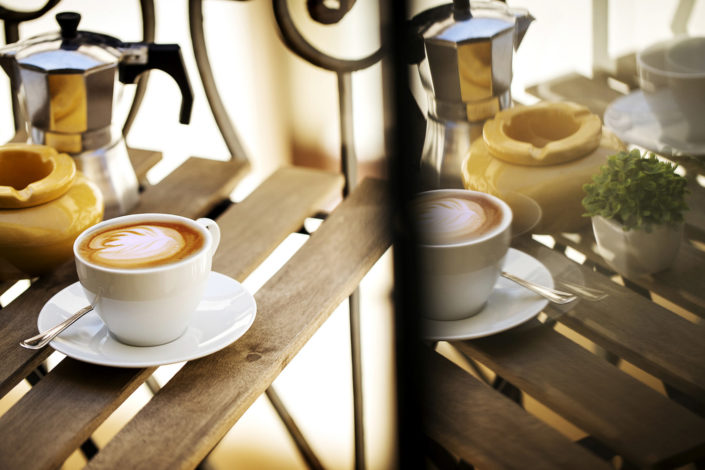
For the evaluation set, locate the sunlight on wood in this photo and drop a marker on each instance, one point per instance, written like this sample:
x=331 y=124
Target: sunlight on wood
x=678 y=310
x=575 y=255
x=552 y=419
x=13 y=292
x=13 y=396
x=546 y=240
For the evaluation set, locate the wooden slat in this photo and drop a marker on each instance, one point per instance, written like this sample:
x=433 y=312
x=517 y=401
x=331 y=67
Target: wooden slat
x=631 y=326
x=279 y=207
x=59 y=413
x=487 y=430
x=203 y=401
x=143 y=160
x=695 y=216
x=19 y=319
x=632 y=419
x=195 y=182
x=271 y=213
x=626 y=71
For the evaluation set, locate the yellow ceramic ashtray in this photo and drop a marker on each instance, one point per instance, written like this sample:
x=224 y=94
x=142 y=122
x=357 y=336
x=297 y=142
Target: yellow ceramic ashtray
x=537 y=159
x=44 y=204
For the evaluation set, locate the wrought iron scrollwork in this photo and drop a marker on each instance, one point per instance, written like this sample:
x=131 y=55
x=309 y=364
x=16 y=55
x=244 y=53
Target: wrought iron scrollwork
x=324 y=14
x=295 y=41
x=15 y=16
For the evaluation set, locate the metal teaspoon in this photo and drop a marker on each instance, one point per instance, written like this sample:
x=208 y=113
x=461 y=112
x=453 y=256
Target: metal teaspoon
x=42 y=339
x=555 y=296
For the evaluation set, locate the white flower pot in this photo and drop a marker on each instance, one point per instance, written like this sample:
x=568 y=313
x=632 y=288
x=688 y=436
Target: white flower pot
x=636 y=253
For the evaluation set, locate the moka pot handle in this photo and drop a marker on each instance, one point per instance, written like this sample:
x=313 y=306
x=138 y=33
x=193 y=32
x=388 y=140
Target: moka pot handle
x=141 y=57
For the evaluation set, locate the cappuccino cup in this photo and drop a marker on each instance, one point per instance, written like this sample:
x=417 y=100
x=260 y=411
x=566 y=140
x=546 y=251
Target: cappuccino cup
x=464 y=238
x=146 y=273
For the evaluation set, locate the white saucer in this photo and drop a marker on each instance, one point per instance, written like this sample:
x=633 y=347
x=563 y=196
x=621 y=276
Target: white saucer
x=509 y=304
x=634 y=122
x=224 y=314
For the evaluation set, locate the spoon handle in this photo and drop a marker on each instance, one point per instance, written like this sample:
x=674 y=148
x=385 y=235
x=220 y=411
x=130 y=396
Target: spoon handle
x=42 y=339
x=555 y=296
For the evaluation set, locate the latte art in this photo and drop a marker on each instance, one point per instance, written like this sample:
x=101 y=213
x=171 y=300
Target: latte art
x=141 y=245
x=447 y=219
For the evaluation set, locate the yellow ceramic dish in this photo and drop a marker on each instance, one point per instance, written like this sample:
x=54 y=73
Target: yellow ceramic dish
x=546 y=133
x=537 y=159
x=44 y=204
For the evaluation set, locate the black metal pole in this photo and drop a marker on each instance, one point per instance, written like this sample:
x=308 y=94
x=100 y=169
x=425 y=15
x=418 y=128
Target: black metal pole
x=403 y=184
x=348 y=162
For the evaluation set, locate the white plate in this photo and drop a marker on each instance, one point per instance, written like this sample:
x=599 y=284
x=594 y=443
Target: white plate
x=224 y=314
x=509 y=304
x=633 y=121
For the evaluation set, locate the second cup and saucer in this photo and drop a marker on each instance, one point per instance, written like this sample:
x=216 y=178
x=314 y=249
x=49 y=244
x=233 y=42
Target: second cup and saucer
x=464 y=246
x=508 y=306
x=226 y=311
x=665 y=115
x=634 y=121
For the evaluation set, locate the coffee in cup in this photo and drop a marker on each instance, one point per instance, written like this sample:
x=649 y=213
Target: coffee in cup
x=464 y=237
x=146 y=273
x=141 y=244
x=448 y=218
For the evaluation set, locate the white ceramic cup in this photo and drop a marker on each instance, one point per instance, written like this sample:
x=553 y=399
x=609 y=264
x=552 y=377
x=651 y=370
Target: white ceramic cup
x=458 y=273
x=672 y=78
x=148 y=306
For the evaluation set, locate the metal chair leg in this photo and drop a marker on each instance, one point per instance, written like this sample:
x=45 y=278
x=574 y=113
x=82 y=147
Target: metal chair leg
x=301 y=444
x=356 y=354
x=348 y=163
x=299 y=440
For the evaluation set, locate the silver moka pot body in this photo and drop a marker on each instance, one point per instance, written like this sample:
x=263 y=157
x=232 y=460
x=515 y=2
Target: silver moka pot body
x=466 y=72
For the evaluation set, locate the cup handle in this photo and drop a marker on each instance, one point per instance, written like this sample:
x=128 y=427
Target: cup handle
x=214 y=230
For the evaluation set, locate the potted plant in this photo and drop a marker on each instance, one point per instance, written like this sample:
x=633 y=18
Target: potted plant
x=636 y=204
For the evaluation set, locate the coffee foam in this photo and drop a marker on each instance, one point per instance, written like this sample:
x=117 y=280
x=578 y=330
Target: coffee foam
x=141 y=245
x=444 y=219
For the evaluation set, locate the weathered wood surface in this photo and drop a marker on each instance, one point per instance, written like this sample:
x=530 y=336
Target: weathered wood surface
x=197 y=182
x=632 y=419
x=482 y=427
x=683 y=283
x=469 y=419
x=207 y=396
x=630 y=325
x=142 y=161
x=102 y=389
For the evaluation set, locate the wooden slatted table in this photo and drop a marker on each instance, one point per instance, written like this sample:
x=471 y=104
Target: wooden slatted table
x=627 y=372
x=579 y=362
x=207 y=396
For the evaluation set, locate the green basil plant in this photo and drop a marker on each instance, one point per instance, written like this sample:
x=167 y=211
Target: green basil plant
x=636 y=191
